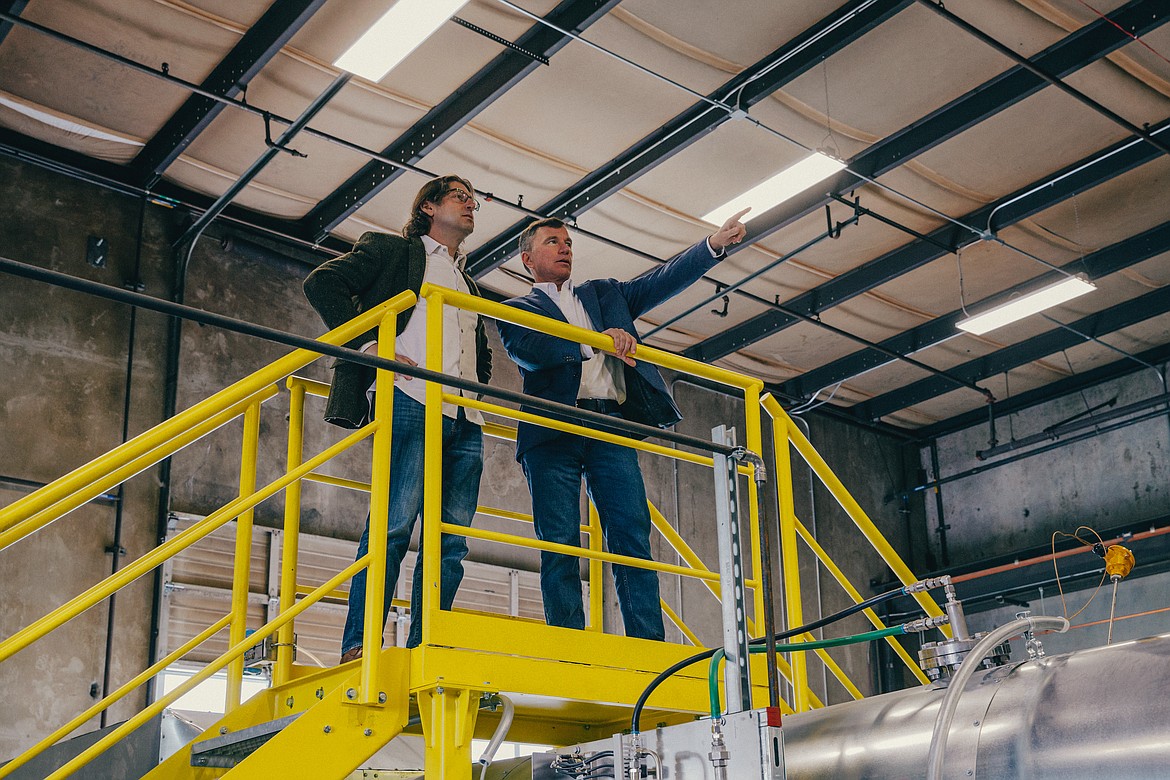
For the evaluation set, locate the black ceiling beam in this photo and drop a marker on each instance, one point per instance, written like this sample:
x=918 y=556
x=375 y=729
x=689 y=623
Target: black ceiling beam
x=464 y=104
x=1079 y=49
x=1025 y=202
x=1106 y=321
x=115 y=177
x=1048 y=392
x=747 y=88
x=1096 y=265
x=14 y=7
x=262 y=41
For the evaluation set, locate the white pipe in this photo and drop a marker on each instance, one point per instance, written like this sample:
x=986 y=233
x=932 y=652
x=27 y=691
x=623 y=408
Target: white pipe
x=498 y=737
x=966 y=670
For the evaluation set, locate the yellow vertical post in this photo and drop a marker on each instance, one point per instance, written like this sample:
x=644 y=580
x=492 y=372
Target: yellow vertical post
x=789 y=562
x=292 y=530
x=596 y=586
x=448 y=719
x=379 y=515
x=433 y=469
x=754 y=442
x=241 y=568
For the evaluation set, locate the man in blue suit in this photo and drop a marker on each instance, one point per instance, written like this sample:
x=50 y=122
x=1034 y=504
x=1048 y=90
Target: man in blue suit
x=615 y=384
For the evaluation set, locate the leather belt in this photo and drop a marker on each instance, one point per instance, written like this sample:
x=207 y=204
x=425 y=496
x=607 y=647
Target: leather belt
x=602 y=405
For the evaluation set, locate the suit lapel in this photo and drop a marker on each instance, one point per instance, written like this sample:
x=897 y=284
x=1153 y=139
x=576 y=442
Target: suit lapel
x=587 y=294
x=546 y=304
x=416 y=264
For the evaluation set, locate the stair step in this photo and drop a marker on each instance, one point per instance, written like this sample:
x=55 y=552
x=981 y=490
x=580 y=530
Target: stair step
x=230 y=749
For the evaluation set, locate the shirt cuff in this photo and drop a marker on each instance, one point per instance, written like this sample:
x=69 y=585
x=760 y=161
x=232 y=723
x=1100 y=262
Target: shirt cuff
x=368 y=343
x=707 y=241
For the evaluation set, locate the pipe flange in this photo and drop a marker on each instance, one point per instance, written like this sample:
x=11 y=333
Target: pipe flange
x=939 y=660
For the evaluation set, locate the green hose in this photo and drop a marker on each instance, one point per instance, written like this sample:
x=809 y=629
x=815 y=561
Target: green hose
x=868 y=636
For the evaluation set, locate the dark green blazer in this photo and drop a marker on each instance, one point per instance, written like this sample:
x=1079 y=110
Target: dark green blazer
x=379 y=267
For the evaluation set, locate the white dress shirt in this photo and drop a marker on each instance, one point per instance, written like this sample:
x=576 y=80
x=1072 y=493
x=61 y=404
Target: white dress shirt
x=601 y=375
x=459 y=346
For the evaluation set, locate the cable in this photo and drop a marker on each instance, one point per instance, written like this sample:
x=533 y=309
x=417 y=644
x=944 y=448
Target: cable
x=636 y=716
x=1076 y=535
x=795 y=647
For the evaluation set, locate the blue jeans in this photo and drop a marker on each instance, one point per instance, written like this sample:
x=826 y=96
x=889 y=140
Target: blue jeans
x=462 y=466
x=614 y=484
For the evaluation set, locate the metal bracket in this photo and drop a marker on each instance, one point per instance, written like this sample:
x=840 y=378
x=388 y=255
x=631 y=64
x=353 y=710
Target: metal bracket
x=272 y=144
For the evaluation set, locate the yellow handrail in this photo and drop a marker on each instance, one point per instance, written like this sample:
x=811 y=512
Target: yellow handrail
x=158 y=555
x=156 y=668
x=184 y=421
x=214 y=666
x=599 y=341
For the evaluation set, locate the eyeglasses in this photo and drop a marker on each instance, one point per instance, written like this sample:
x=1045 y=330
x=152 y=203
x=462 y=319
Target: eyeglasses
x=463 y=197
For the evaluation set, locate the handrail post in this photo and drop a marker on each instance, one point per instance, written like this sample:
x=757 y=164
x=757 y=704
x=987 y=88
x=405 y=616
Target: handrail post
x=754 y=443
x=240 y=571
x=596 y=586
x=789 y=563
x=432 y=532
x=290 y=550
x=379 y=513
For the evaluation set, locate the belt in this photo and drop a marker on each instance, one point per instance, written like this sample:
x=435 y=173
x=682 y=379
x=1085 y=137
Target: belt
x=602 y=405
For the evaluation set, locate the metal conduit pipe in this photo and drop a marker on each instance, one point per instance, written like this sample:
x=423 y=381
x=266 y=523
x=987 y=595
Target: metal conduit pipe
x=498 y=737
x=971 y=664
x=374 y=155
x=583 y=416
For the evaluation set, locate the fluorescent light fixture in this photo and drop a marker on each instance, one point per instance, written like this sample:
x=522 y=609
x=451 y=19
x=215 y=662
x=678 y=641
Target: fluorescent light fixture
x=399 y=32
x=1025 y=305
x=779 y=188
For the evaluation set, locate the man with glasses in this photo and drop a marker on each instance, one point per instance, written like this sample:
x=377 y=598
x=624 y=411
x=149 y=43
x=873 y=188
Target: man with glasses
x=379 y=267
x=615 y=384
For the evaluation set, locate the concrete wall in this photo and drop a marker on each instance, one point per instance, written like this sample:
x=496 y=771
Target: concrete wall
x=64 y=356
x=1114 y=479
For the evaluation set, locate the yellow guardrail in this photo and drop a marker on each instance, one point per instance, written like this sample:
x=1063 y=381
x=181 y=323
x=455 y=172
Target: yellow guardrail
x=62 y=496
x=245 y=398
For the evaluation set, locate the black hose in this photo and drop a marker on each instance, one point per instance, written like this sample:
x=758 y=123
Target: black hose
x=636 y=716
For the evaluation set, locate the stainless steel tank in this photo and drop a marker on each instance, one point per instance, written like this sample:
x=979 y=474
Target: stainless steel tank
x=1088 y=715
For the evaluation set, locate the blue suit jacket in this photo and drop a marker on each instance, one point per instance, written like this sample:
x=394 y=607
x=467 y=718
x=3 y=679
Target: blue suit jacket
x=551 y=366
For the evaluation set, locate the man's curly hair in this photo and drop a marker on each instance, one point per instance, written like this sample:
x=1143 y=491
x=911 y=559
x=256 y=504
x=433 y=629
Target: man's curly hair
x=433 y=191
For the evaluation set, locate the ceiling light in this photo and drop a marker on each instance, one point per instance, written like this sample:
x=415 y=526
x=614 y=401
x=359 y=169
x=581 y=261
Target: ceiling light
x=399 y=32
x=788 y=182
x=1025 y=305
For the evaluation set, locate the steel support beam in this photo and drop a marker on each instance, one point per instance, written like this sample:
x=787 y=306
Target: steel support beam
x=463 y=105
x=1032 y=199
x=14 y=7
x=1090 y=43
x=1101 y=323
x=1018 y=403
x=752 y=85
x=1103 y=262
x=262 y=41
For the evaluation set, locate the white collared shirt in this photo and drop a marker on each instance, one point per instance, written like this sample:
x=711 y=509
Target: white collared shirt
x=459 y=345
x=601 y=375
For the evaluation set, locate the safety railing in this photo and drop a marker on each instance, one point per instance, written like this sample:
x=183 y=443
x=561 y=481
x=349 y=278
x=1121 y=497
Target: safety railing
x=243 y=398
x=444 y=628
x=786 y=434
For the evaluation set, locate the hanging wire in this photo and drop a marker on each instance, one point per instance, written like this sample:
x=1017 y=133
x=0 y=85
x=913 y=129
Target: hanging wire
x=962 y=288
x=811 y=403
x=1076 y=535
x=1124 y=31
